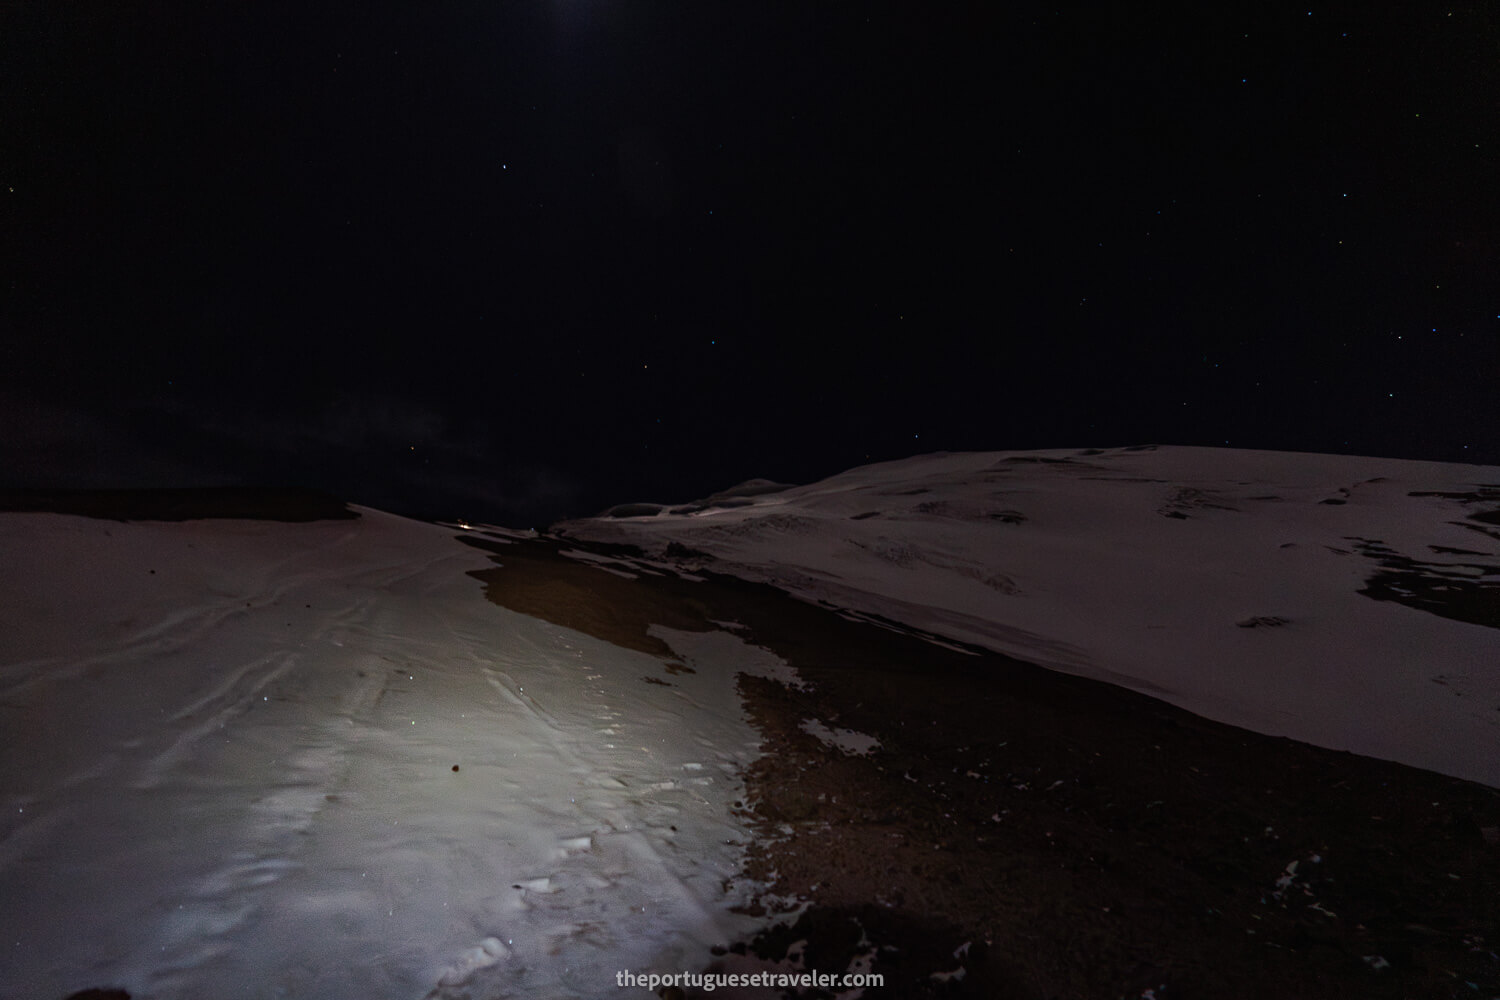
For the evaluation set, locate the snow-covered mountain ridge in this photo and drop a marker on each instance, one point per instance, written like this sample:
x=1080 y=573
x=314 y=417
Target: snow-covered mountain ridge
x=1348 y=602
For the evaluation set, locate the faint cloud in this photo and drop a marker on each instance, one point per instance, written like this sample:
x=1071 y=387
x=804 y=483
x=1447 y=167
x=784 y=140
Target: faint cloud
x=364 y=423
x=393 y=454
x=46 y=444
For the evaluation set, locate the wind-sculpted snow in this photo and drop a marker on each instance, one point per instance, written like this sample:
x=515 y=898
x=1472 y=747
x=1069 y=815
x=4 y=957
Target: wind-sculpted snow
x=1349 y=602
x=245 y=759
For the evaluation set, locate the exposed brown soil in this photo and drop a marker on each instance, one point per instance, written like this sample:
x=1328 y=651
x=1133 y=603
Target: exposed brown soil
x=1081 y=840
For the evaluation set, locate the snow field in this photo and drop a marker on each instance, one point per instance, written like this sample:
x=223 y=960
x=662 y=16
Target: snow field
x=235 y=777
x=1225 y=582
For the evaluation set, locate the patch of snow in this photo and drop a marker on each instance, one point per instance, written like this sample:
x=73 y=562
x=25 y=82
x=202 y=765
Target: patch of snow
x=723 y=648
x=606 y=563
x=847 y=740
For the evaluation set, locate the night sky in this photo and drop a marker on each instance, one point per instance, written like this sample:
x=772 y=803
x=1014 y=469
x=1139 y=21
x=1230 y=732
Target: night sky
x=519 y=260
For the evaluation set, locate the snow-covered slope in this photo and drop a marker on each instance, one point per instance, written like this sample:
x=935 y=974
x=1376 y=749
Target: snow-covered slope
x=252 y=759
x=1348 y=602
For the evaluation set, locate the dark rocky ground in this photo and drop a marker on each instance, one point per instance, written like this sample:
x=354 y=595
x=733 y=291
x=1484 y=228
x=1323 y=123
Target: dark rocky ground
x=1052 y=836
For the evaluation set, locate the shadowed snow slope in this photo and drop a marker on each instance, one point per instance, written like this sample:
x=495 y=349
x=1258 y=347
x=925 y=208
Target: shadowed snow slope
x=249 y=759
x=1348 y=602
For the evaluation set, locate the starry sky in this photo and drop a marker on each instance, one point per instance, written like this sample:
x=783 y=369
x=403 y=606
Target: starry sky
x=519 y=260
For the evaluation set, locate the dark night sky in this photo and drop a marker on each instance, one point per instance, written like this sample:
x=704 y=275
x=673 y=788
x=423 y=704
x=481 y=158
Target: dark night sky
x=514 y=260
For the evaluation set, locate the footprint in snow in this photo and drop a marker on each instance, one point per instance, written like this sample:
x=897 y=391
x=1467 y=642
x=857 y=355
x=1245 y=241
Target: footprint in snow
x=542 y=885
x=569 y=846
x=486 y=953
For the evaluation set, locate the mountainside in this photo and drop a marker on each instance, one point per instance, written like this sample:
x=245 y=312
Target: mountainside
x=1349 y=602
x=364 y=756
